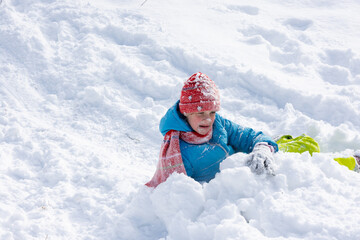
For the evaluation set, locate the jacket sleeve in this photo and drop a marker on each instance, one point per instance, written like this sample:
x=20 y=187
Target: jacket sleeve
x=243 y=139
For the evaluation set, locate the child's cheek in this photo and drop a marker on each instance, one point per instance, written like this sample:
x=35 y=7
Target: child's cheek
x=198 y=121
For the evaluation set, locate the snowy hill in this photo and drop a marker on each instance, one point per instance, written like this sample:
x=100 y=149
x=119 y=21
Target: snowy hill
x=84 y=84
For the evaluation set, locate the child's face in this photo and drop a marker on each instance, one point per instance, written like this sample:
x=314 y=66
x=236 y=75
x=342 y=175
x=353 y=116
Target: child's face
x=201 y=122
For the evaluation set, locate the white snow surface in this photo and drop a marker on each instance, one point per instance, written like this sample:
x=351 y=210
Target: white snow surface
x=84 y=84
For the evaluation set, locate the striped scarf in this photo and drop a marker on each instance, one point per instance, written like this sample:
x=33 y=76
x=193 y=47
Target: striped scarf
x=170 y=159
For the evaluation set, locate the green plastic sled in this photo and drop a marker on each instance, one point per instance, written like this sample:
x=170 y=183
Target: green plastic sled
x=300 y=144
x=349 y=162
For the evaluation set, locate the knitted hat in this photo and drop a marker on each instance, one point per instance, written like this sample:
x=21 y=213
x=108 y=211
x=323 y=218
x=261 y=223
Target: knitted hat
x=199 y=94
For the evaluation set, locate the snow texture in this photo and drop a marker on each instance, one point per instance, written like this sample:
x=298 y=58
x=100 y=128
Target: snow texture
x=84 y=84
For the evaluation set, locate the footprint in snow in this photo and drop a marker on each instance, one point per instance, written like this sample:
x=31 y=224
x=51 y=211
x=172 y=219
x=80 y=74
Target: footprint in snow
x=340 y=67
x=250 y=10
x=298 y=24
x=281 y=47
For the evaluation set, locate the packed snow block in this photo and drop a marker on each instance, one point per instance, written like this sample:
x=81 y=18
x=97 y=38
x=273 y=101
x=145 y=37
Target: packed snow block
x=93 y=96
x=180 y=194
x=13 y=134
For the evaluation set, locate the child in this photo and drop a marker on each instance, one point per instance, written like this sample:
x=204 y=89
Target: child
x=197 y=139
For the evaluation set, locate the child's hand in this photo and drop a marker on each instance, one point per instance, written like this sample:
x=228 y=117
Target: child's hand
x=261 y=159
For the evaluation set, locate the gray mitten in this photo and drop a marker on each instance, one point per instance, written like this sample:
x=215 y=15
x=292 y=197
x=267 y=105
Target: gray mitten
x=261 y=159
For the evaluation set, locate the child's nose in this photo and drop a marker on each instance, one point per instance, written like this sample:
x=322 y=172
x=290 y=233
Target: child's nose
x=207 y=117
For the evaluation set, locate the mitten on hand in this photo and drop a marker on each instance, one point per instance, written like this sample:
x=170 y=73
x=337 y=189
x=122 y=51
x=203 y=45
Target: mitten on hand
x=261 y=159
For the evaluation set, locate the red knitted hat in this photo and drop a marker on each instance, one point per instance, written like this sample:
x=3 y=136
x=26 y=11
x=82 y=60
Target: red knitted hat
x=199 y=94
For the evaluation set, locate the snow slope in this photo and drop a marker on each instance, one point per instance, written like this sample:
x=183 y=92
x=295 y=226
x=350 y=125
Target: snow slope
x=84 y=84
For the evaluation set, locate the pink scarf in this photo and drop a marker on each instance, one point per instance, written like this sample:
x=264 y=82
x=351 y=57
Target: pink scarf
x=170 y=159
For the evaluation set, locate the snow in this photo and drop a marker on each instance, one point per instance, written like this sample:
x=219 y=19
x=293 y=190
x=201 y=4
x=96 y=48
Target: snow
x=84 y=84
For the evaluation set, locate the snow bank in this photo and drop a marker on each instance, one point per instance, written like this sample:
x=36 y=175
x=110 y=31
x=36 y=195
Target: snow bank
x=305 y=200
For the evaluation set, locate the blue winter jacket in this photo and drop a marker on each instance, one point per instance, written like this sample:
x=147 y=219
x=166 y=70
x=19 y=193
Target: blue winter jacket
x=202 y=161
